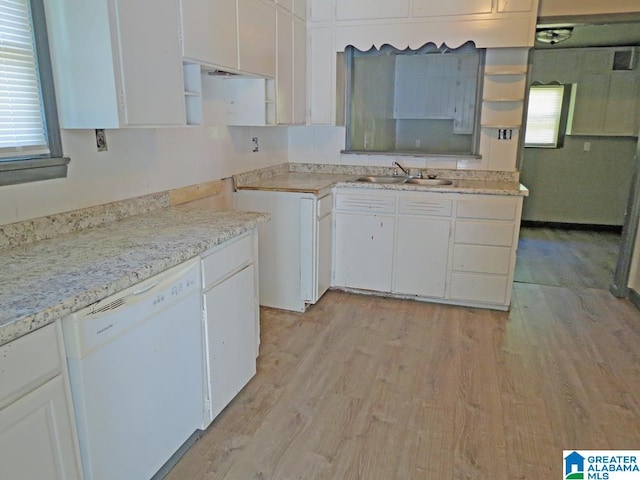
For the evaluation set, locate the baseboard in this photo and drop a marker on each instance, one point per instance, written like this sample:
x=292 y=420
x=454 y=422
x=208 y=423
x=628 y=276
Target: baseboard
x=572 y=226
x=634 y=297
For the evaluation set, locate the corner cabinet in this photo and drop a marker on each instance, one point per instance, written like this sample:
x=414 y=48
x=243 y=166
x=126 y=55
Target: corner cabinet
x=449 y=248
x=37 y=432
x=110 y=71
x=295 y=246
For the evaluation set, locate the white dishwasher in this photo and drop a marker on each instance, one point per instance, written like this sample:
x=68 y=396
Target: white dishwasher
x=136 y=366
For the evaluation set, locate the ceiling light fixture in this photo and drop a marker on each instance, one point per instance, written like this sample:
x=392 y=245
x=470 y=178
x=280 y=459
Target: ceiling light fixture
x=553 y=35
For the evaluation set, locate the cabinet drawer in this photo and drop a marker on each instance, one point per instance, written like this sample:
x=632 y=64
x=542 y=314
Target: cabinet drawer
x=228 y=258
x=484 y=233
x=478 y=288
x=481 y=259
x=325 y=204
x=427 y=205
x=366 y=203
x=28 y=362
x=498 y=208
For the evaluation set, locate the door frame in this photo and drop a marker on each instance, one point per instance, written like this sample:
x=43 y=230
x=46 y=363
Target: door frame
x=620 y=285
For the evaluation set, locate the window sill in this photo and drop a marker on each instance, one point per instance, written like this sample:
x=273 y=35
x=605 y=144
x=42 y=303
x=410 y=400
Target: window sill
x=412 y=154
x=13 y=172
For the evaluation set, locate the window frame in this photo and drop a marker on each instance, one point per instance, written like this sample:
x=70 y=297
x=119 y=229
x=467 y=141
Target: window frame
x=31 y=168
x=562 y=118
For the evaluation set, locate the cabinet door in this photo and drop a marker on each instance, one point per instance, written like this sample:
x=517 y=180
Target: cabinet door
x=325 y=250
x=429 y=8
x=284 y=80
x=257 y=37
x=621 y=115
x=151 y=62
x=36 y=437
x=422 y=247
x=209 y=32
x=231 y=337
x=299 y=72
x=354 y=10
x=364 y=251
x=322 y=10
x=300 y=9
x=322 y=80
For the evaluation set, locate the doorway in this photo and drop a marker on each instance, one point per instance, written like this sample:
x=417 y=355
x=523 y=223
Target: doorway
x=586 y=182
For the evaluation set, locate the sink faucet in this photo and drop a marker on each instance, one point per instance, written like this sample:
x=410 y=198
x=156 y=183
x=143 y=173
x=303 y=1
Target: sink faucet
x=404 y=170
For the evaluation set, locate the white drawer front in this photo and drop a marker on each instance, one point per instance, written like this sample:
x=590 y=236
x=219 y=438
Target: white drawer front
x=230 y=257
x=366 y=203
x=481 y=259
x=498 y=208
x=484 y=233
x=28 y=362
x=478 y=288
x=325 y=204
x=425 y=205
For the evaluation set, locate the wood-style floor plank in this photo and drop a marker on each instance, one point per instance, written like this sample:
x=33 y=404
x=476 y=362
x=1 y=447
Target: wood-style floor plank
x=567 y=258
x=363 y=387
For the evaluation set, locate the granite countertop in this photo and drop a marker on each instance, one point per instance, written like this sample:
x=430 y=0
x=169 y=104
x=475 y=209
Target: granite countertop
x=315 y=182
x=298 y=182
x=49 y=279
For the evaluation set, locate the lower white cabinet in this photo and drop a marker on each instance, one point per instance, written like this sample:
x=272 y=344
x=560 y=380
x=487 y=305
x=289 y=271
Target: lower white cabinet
x=364 y=250
x=421 y=256
x=37 y=433
x=454 y=248
x=231 y=319
x=295 y=246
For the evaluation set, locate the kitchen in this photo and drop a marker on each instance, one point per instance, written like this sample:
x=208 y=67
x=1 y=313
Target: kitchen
x=145 y=161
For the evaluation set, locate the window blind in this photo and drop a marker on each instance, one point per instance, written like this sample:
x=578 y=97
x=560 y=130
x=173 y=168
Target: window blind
x=543 y=115
x=22 y=128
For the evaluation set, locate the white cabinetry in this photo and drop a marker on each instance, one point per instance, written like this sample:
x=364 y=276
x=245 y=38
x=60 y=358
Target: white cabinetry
x=364 y=236
x=257 y=37
x=354 y=10
x=437 y=87
x=37 y=438
x=484 y=251
x=111 y=73
x=422 y=245
x=322 y=79
x=284 y=79
x=453 y=248
x=229 y=274
x=295 y=246
x=209 y=32
x=428 y=8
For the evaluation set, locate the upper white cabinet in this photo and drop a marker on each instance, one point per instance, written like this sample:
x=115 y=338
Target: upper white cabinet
x=284 y=79
x=300 y=9
x=299 y=72
x=209 y=32
x=355 y=10
x=109 y=71
x=257 y=37
x=429 y=8
x=321 y=10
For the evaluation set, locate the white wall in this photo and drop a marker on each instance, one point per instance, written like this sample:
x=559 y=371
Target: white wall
x=143 y=161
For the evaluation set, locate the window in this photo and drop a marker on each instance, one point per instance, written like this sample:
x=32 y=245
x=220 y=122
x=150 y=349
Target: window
x=30 y=146
x=412 y=102
x=547 y=115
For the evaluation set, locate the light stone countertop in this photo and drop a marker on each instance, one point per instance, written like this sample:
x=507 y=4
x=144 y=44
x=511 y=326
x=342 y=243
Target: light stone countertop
x=49 y=279
x=315 y=182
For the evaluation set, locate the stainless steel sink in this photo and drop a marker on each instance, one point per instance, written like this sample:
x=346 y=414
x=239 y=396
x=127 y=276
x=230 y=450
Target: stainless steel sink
x=381 y=179
x=428 y=181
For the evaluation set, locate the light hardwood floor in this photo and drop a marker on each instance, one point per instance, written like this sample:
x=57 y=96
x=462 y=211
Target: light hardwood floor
x=368 y=388
x=567 y=258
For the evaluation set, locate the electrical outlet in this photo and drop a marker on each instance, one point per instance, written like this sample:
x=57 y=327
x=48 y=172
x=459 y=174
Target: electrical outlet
x=586 y=147
x=256 y=147
x=101 y=140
